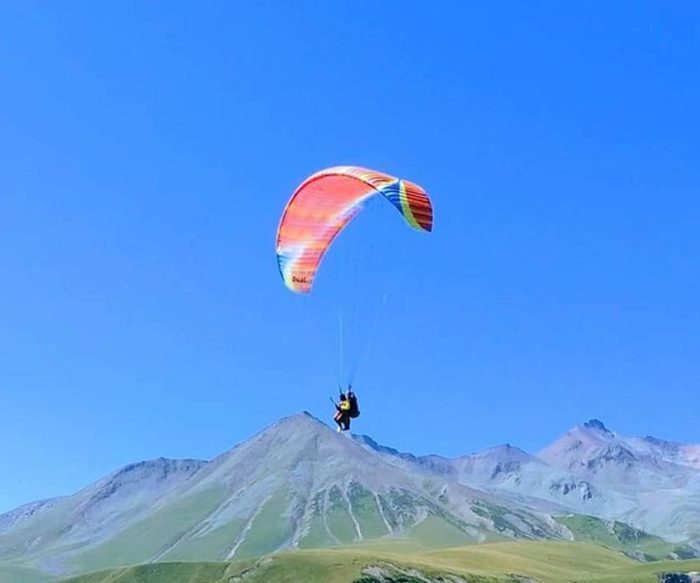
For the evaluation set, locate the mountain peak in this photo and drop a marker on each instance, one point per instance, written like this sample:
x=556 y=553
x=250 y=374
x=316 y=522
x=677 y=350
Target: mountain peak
x=290 y=429
x=300 y=420
x=294 y=434
x=503 y=451
x=300 y=417
x=597 y=425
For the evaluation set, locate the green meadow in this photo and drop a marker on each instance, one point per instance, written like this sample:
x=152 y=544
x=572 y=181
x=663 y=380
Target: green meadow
x=406 y=562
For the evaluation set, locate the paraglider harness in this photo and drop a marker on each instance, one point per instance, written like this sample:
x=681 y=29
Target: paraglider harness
x=354 y=411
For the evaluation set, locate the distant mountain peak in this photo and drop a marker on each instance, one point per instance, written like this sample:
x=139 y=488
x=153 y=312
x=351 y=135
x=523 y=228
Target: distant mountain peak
x=598 y=425
x=504 y=451
x=509 y=447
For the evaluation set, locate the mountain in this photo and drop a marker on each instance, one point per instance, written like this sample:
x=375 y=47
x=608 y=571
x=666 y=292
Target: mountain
x=298 y=484
x=96 y=513
x=650 y=483
x=593 y=452
x=509 y=472
x=295 y=484
x=659 y=480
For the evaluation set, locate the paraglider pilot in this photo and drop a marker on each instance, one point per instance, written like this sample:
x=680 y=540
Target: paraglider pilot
x=346 y=409
x=342 y=415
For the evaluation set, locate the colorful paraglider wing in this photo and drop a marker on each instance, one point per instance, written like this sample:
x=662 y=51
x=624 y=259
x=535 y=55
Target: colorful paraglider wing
x=325 y=203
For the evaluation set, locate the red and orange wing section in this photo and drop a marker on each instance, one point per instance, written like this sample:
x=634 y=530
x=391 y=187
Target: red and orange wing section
x=325 y=203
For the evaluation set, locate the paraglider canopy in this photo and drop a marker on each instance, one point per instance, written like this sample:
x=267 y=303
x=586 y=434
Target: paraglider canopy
x=325 y=203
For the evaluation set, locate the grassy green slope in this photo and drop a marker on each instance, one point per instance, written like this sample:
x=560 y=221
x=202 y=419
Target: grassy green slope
x=144 y=540
x=618 y=535
x=162 y=573
x=270 y=529
x=366 y=510
x=545 y=562
x=646 y=572
x=436 y=532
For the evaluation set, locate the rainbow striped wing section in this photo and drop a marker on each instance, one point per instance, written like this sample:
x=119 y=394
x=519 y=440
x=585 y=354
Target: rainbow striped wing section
x=325 y=203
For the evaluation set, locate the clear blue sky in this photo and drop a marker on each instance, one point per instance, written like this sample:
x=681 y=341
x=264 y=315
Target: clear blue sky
x=147 y=149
